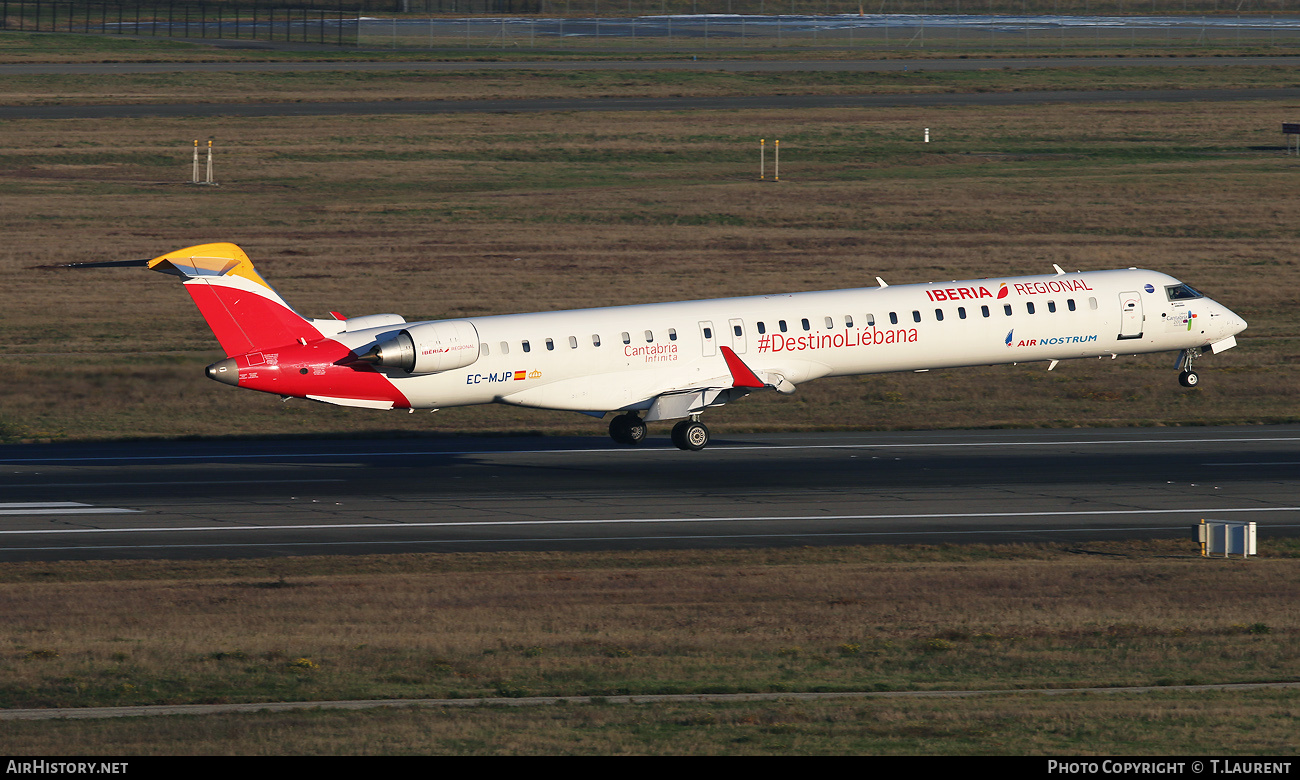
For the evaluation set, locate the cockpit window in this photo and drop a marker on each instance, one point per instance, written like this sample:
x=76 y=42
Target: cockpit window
x=1181 y=292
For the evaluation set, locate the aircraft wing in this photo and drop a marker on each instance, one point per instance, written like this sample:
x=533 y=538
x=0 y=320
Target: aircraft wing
x=611 y=391
x=739 y=381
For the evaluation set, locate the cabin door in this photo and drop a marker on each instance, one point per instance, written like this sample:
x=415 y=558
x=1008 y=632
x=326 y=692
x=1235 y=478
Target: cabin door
x=738 y=336
x=1130 y=323
x=707 y=339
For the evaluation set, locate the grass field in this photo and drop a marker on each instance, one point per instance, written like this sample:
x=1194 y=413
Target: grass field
x=444 y=216
x=433 y=216
x=464 y=626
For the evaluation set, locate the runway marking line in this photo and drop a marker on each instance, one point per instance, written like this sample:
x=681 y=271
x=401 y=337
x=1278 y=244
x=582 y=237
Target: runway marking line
x=633 y=450
x=666 y=520
x=59 y=508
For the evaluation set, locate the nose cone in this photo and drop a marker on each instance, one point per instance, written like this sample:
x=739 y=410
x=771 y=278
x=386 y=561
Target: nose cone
x=1235 y=324
x=224 y=371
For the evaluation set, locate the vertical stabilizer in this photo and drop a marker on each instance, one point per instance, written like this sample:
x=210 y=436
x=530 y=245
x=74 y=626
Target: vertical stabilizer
x=243 y=311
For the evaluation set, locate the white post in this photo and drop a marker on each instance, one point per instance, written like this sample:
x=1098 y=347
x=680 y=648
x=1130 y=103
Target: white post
x=209 y=162
x=762 y=157
x=194 y=179
x=927 y=135
x=776 y=160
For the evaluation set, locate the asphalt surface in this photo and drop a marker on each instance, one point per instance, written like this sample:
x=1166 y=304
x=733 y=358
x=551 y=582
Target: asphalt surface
x=276 y=498
x=693 y=64
x=378 y=107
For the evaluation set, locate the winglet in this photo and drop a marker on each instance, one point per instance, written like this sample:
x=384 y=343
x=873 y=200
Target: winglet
x=741 y=375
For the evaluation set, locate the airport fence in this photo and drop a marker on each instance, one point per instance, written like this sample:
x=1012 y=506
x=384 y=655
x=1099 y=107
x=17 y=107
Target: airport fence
x=615 y=8
x=637 y=26
x=278 y=22
x=719 y=33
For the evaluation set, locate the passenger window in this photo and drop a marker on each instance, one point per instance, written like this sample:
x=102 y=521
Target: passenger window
x=573 y=342
x=672 y=334
x=526 y=347
x=550 y=345
x=961 y=312
x=782 y=324
x=649 y=336
x=848 y=320
x=1092 y=304
x=1030 y=307
x=627 y=337
x=595 y=340
x=916 y=315
x=505 y=348
x=893 y=318
x=984 y=310
x=736 y=329
x=1070 y=304
x=1007 y=308
x=871 y=320
x=1051 y=307
x=483 y=349
x=708 y=333
x=938 y=315
x=761 y=328
x=830 y=323
x=806 y=325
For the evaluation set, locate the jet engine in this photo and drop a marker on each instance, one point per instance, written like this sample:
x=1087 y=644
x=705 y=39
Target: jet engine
x=428 y=348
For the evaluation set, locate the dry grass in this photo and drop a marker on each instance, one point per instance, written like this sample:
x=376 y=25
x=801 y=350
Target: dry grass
x=438 y=216
x=593 y=624
x=1258 y=723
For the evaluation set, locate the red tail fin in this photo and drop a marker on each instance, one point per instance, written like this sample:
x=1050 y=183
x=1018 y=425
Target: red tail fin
x=243 y=311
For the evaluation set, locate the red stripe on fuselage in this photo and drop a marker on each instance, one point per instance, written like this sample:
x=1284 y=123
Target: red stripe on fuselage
x=322 y=367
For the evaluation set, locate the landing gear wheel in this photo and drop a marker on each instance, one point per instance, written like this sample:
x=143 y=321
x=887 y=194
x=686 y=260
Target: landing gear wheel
x=1189 y=379
x=627 y=429
x=690 y=435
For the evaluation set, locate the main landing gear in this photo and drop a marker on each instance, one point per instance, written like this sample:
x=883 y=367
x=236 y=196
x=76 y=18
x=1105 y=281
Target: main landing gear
x=687 y=435
x=627 y=429
x=691 y=435
x=1186 y=376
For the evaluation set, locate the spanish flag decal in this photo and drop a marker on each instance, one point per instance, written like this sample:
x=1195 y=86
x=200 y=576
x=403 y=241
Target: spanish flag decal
x=520 y=375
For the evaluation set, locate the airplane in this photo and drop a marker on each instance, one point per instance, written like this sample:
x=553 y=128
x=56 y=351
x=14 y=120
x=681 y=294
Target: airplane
x=672 y=361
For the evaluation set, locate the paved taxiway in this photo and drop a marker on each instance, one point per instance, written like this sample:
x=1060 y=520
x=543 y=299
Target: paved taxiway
x=694 y=64
x=237 y=499
x=377 y=107
x=711 y=103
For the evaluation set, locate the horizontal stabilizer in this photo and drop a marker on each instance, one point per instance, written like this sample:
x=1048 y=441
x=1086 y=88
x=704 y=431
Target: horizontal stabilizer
x=105 y=264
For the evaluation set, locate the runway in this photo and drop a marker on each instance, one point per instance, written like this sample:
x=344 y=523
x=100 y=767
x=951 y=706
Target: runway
x=693 y=64
x=309 y=497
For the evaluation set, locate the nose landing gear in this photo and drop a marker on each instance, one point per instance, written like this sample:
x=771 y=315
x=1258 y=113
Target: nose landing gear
x=1186 y=376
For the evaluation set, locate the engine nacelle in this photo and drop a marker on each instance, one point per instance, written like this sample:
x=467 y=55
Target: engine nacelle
x=428 y=348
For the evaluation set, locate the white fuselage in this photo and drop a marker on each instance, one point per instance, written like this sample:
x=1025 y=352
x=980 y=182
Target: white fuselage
x=624 y=357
